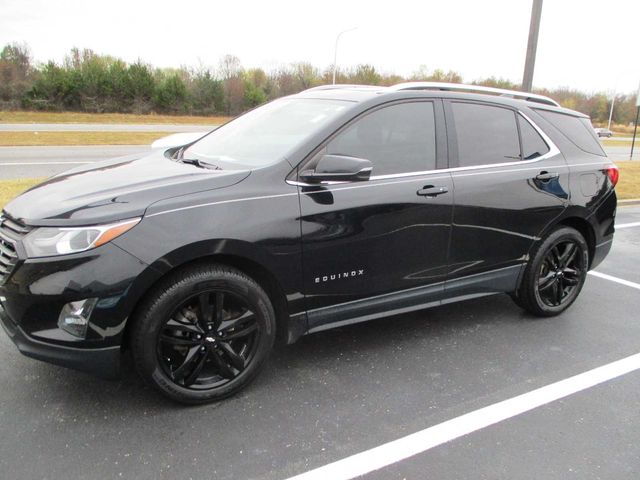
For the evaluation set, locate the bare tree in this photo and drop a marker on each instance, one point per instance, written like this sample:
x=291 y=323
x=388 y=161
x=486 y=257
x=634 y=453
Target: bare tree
x=229 y=67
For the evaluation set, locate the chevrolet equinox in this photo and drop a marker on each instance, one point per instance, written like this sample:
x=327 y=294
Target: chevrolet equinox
x=333 y=206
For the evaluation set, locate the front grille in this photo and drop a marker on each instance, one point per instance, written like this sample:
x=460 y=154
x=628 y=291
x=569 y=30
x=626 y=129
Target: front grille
x=10 y=233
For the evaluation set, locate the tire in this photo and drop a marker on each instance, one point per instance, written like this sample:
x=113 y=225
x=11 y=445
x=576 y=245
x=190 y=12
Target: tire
x=555 y=274
x=203 y=334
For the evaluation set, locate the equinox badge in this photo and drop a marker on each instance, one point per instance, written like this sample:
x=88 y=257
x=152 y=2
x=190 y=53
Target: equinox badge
x=338 y=276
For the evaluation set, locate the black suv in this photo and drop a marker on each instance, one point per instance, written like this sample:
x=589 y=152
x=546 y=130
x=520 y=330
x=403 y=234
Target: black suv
x=333 y=206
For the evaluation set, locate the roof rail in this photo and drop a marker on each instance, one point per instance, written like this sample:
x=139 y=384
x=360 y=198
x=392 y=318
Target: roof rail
x=338 y=86
x=531 y=97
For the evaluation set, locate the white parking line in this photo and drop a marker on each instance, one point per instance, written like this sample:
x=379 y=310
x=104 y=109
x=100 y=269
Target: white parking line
x=628 y=225
x=405 y=447
x=43 y=163
x=615 y=279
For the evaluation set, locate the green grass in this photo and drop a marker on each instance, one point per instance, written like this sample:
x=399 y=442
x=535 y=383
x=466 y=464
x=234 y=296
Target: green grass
x=78 y=138
x=77 y=117
x=629 y=184
x=11 y=188
x=619 y=143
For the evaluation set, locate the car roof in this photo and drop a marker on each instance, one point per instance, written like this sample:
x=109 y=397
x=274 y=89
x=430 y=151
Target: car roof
x=361 y=93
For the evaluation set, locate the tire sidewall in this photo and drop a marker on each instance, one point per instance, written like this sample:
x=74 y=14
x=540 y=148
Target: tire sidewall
x=167 y=300
x=562 y=234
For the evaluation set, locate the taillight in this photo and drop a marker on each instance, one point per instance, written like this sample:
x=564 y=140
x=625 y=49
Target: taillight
x=614 y=174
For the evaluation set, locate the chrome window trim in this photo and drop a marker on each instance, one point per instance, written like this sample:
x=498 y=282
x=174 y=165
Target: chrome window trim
x=553 y=151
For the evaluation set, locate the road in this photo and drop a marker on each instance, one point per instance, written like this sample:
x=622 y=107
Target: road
x=32 y=162
x=17 y=162
x=342 y=392
x=618 y=154
x=102 y=127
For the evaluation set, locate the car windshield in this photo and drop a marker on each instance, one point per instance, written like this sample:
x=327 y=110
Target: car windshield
x=267 y=134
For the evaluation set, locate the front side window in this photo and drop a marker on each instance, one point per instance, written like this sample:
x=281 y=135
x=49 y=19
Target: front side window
x=486 y=134
x=400 y=138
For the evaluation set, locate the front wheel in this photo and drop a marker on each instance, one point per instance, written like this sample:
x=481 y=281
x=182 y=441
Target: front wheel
x=203 y=334
x=555 y=273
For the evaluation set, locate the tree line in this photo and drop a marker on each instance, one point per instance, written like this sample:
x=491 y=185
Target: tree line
x=88 y=82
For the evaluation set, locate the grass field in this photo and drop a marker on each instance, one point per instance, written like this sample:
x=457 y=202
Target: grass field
x=77 y=117
x=78 y=138
x=617 y=143
x=10 y=188
x=629 y=184
x=628 y=187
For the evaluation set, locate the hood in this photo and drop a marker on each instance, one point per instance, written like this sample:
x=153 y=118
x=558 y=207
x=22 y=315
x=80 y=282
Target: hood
x=113 y=190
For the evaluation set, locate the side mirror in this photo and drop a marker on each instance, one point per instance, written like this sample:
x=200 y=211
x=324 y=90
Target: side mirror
x=338 y=168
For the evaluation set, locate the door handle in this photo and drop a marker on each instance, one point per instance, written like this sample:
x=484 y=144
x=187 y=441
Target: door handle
x=432 y=191
x=545 y=176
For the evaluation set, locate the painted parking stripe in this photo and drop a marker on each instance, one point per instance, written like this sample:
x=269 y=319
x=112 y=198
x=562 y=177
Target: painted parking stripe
x=628 y=225
x=611 y=278
x=419 y=442
x=43 y=163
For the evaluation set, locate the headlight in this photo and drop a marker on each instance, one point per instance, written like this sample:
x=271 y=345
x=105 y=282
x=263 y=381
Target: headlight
x=49 y=241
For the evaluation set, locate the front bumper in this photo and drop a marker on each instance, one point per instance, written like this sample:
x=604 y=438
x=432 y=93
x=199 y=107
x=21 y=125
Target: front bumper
x=34 y=294
x=102 y=362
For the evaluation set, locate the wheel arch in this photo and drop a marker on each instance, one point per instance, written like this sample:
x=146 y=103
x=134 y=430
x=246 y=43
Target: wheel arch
x=586 y=230
x=578 y=219
x=246 y=258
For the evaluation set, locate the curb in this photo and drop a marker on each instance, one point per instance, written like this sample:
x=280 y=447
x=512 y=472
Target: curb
x=628 y=203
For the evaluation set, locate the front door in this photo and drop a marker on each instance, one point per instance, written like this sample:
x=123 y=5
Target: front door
x=380 y=245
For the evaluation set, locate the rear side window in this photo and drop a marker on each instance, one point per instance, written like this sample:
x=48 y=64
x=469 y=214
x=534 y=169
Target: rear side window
x=486 y=134
x=576 y=129
x=396 y=139
x=533 y=146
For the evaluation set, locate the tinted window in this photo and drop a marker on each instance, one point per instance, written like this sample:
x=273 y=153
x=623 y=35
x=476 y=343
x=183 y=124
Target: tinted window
x=576 y=129
x=533 y=146
x=486 y=134
x=396 y=139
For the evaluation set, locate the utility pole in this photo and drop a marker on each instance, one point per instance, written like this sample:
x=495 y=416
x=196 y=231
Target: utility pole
x=613 y=102
x=335 y=52
x=635 y=129
x=532 y=45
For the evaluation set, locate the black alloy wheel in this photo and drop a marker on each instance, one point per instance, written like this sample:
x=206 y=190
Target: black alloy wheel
x=203 y=333
x=208 y=340
x=555 y=273
x=560 y=273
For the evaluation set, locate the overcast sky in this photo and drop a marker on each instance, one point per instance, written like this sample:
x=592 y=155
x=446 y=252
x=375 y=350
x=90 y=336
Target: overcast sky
x=591 y=45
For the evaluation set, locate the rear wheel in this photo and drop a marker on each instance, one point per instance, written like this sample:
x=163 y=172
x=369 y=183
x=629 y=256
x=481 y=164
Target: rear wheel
x=203 y=334
x=555 y=274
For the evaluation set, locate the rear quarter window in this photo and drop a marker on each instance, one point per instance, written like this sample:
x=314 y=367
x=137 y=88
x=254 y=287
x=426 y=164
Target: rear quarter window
x=533 y=146
x=577 y=129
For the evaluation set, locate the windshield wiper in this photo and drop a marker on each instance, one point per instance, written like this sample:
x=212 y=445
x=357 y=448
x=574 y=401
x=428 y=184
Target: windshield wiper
x=179 y=156
x=200 y=163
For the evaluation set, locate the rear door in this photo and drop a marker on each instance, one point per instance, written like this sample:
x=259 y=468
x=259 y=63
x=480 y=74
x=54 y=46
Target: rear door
x=380 y=245
x=510 y=182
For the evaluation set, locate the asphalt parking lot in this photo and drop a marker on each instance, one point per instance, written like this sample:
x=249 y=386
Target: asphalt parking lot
x=338 y=393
